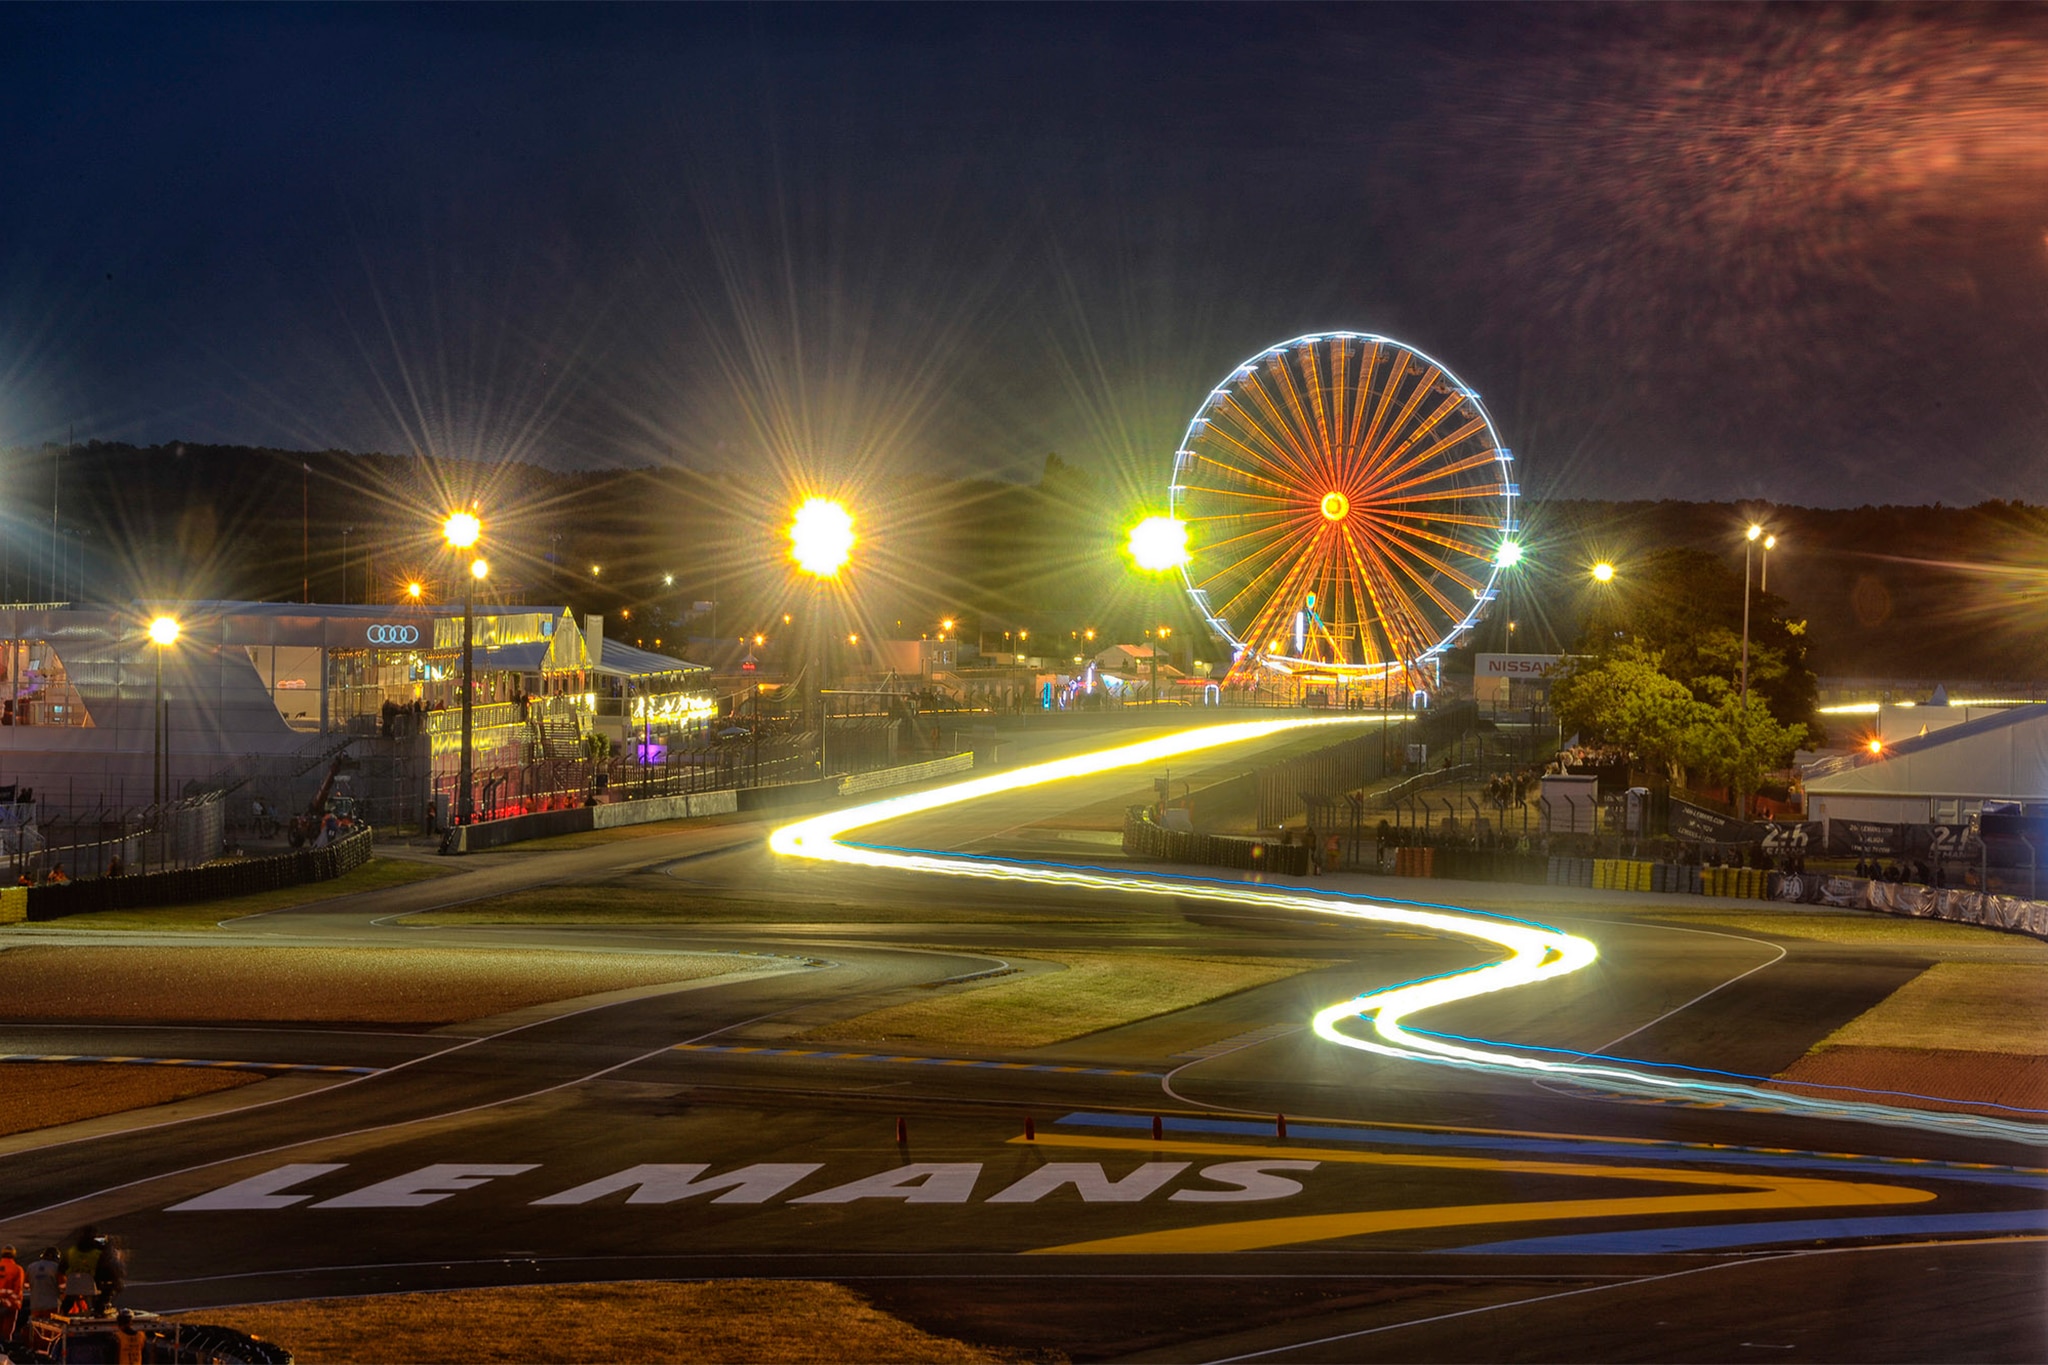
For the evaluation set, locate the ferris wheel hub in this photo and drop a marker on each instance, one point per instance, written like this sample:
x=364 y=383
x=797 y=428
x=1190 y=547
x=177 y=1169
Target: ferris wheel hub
x=1335 y=506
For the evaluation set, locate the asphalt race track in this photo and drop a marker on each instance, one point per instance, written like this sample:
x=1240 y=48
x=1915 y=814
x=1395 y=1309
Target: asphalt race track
x=1411 y=1210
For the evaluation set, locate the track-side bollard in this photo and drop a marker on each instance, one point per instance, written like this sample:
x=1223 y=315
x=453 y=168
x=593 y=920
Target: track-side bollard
x=902 y=1132
x=1279 y=1125
x=1158 y=1128
x=1030 y=1129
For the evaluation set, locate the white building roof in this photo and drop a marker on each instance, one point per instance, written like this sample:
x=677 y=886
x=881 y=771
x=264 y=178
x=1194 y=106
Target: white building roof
x=2001 y=757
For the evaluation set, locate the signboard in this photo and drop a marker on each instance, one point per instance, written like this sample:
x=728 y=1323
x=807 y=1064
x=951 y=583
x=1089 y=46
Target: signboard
x=1698 y=825
x=1865 y=838
x=1516 y=665
x=1784 y=838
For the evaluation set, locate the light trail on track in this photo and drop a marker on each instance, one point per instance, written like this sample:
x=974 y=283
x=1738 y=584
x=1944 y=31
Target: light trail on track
x=1534 y=953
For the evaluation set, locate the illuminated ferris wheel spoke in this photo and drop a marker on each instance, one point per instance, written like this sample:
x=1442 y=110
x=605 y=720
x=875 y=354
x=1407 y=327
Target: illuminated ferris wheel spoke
x=1346 y=497
x=1422 y=459
x=1276 y=431
x=1359 y=434
x=1233 y=474
x=1311 y=433
x=1417 y=432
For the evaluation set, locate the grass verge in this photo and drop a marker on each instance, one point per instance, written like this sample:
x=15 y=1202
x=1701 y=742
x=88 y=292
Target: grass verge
x=375 y=875
x=1822 y=926
x=653 y=899
x=1096 y=991
x=788 y=1322
x=1958 y=1007
x=45 y=1094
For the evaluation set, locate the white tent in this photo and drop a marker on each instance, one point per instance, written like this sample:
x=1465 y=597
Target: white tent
x=1938 y=777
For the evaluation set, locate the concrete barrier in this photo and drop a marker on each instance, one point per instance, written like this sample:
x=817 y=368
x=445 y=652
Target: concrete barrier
x=855 y=783
x=545 y=824
x=209 y=881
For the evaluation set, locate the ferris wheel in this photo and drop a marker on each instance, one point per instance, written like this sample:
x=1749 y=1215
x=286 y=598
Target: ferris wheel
x=1349 y=508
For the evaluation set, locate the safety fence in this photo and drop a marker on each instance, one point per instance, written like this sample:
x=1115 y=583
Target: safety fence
x=210 y=881
x=1143 y=838
x=1961 y=905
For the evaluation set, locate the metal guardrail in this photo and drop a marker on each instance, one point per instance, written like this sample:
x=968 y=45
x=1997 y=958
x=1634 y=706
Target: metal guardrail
x=208 y=882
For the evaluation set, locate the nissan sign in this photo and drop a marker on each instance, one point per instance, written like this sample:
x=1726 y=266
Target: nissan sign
x=393 y=635
x=1516 y=665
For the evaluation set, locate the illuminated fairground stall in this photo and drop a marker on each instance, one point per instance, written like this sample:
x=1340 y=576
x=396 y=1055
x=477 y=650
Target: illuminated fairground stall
x=261 y=698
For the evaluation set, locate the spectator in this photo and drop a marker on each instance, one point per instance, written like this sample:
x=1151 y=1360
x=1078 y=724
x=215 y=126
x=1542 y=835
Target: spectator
x=13 y=1283
x=81 y=1263
x=45 y=1284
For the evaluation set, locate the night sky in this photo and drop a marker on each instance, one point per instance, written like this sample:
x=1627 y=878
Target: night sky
x=1797 y=254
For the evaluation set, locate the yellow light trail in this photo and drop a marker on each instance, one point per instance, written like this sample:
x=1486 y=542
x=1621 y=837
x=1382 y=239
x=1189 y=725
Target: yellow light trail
x=1534 y=953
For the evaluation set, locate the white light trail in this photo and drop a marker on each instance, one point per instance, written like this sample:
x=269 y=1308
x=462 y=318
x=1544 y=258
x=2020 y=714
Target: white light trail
x=1534 y=952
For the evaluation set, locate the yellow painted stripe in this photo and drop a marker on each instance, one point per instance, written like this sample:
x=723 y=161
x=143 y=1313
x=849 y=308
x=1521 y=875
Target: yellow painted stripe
x=1739 y=1192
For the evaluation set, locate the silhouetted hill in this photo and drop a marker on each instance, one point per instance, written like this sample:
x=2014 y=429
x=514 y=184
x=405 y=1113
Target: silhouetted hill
x=1888 y=591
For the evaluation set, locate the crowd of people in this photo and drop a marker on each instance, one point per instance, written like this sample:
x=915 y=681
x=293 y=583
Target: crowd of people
x=82 y=1277
x=1908 y=873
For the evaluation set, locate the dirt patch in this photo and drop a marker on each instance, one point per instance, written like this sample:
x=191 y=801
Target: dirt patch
x=45 y=1094
x=1969 y=1082
x=1095 y=991
x=792 y=1321
x=326 y=985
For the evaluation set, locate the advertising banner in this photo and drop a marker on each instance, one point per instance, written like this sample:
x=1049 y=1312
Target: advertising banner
x=1698 y=825
x=1866 y=838
x=1515 y=665
x=1785 y=838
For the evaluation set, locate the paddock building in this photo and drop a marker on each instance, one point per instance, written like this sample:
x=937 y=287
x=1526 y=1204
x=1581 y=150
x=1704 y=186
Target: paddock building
x=257 y=691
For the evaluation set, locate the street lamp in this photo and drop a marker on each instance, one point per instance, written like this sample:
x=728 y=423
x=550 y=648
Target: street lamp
x=1603 y=572
x=1763 y=568
x=820 y=543
x=163 y=633
x=1158 y=545
x=462 y=530
x=1749 y=541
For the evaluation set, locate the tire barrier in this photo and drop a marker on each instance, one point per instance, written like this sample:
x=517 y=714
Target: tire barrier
x=211 y=881
x=1487 y=865
x=1414 y=862
x=1743 y=883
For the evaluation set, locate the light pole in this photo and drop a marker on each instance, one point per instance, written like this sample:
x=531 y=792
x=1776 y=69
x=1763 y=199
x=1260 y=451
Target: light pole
x=346 y=532
x=1158 y=545
x=1749 y=541
x=163 y=633
x=462 y=529
x=820 y=543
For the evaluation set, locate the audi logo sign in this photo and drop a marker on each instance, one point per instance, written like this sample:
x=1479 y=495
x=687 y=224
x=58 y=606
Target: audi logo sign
x=394 y=635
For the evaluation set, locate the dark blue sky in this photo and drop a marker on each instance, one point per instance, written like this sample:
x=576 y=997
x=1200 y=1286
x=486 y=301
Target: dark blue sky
x=1797 y=254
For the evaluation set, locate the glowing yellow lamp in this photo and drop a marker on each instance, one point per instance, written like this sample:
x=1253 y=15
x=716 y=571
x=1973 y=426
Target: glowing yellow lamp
x=821 y=537
x=1159 y=543
x=462 y=529
x=163 y=631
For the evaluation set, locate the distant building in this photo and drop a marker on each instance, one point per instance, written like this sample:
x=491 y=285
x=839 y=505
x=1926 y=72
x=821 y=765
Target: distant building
x=264 y=688
x=1941 y=777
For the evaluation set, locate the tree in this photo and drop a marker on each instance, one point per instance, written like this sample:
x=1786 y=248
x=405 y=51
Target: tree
x=1684 y=608
x=1627 y=699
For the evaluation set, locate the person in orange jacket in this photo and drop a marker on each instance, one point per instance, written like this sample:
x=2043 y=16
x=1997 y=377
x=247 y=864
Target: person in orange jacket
x=13 y=1284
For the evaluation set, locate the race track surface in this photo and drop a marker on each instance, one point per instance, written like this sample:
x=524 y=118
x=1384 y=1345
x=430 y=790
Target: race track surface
x=1440 y=1198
